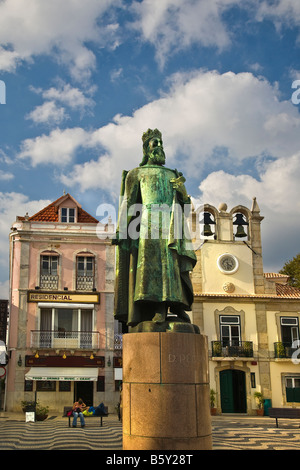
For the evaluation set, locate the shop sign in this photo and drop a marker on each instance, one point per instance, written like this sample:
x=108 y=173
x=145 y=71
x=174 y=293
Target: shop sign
x=60 y=378
x=35 y=296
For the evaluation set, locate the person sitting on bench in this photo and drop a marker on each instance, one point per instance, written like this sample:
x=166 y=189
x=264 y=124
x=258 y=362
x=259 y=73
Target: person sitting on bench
x=78 y=408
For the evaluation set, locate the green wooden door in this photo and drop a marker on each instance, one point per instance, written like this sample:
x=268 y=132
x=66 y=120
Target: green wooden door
x=233 y=391
x=226 y=385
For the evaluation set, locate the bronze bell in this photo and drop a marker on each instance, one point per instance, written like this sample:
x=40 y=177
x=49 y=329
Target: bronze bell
x=207 y=221
x=240 y=232
x=240 y=222
x=207 y=231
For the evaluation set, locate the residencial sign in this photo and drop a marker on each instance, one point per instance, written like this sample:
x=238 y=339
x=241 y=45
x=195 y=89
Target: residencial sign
x=66 y=297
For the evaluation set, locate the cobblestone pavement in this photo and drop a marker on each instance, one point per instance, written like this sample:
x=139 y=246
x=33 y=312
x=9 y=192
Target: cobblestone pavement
x=55 y=434
x=239 y=432
x=230 y=432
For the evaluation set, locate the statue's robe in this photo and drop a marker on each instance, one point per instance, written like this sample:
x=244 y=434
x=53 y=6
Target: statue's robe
x=154 y=264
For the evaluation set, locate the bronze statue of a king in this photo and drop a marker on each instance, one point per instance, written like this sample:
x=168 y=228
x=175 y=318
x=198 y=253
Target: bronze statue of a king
x=154 y=255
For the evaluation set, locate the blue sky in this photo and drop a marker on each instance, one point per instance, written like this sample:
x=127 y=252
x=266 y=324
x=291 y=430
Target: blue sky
x=84 y=80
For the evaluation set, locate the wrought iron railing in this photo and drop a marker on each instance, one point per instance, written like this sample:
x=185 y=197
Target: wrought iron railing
x=84 y=282
x=232 y=349
x=286 y=350
x=65 y=339
x=48 y=281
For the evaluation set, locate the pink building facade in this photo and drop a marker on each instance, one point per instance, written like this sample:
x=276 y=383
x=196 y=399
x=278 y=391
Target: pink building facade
x=61 y=328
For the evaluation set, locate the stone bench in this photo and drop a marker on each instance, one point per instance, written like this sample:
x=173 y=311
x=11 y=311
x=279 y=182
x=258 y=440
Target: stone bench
x=69 y=408
x=288 y=413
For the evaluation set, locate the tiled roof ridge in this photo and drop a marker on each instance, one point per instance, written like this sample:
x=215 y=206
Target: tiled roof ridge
x=275 y=275
x=82 y=212
x=34 y=217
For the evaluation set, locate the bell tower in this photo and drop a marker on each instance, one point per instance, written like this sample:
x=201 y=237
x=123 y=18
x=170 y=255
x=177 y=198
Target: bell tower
x=229 y=306
x=229 y=251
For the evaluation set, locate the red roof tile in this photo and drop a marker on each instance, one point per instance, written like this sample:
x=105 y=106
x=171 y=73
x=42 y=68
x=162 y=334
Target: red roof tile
x=50 y=213
x=284 y=290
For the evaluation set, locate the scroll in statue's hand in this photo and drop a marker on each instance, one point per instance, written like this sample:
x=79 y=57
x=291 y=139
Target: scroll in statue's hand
x=178 y=184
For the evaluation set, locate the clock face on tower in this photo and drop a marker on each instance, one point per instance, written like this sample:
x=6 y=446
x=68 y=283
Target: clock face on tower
x=227 y=263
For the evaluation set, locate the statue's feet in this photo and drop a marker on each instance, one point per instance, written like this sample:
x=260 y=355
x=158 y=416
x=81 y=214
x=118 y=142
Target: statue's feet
x=159 y=318
x=184 y=316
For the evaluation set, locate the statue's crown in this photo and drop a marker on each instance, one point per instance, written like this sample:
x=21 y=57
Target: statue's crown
x=150 y=134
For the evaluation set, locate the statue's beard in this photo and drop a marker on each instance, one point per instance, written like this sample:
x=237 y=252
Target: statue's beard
x=157 y=156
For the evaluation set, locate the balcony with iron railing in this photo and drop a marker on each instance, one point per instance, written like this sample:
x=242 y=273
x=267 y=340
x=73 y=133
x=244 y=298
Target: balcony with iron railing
x=49 y=281
x=232 y=349
x=286 y=350
x=84 y=283
x=53 y=339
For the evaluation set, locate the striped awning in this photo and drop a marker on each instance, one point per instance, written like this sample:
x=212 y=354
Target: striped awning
x=74 y=374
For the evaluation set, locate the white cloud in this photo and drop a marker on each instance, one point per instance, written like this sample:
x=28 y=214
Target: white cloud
x=5 y=158
x=205 y=118
x=57 y=148
x=60 y=29
x=116 y=74
x=280 y=197
x=277 y=193
x=52 y=112
x=47 y=113
x=5 y=176
x=256 y=67
x=9 y=60
x=283 y=12
x=294 y=74
x=70 y=96
x=172 y=25
x=68 y=30
x=94 y=174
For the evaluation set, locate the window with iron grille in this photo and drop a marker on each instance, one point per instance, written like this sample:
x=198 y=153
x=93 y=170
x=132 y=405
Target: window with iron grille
x=49 y=272
x=85 y=272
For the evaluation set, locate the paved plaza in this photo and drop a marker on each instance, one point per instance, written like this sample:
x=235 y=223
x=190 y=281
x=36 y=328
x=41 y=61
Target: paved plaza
x=238 y=432
x=230 y=432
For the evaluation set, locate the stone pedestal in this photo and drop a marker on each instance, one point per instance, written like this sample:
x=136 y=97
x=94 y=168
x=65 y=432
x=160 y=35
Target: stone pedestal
x=165 y=394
